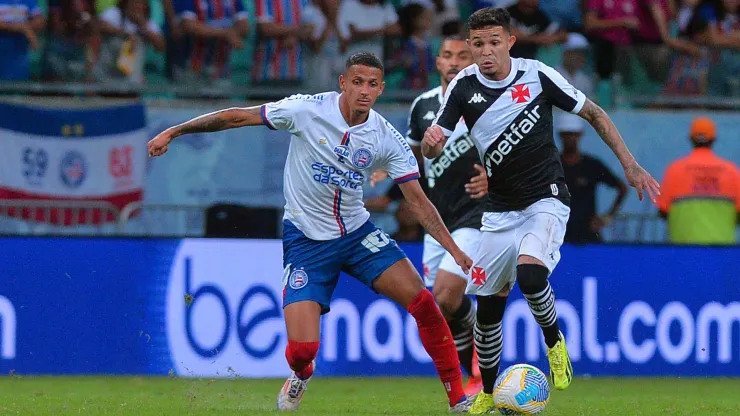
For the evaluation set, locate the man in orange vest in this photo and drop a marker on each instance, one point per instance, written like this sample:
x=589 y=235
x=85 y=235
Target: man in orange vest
x=700 y=194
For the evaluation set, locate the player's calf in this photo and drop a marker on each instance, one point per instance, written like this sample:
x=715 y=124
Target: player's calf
x=489 y=336
x=300 y=356
x=532 y=280
x=459 y=311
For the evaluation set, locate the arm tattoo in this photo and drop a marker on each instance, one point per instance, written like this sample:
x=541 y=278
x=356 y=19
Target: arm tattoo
x=220 y=120
x=605 y=128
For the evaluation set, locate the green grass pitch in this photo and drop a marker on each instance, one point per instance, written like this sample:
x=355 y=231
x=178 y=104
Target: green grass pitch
x=28 y=395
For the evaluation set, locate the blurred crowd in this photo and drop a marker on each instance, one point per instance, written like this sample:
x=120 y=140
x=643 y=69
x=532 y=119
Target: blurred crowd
x=676 y=47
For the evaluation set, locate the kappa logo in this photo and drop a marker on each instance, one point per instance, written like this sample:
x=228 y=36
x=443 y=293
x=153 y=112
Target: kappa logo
x=429 y=115
x=477 y=98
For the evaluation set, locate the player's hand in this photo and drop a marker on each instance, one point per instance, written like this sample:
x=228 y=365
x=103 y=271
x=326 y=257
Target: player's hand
x=641 y=180
x=478 y=185
x=159 y=145
x=377 y=177
x=462 y=260
x=433 y=136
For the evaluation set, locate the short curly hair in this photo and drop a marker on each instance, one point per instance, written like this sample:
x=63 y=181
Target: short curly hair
x=488 y=17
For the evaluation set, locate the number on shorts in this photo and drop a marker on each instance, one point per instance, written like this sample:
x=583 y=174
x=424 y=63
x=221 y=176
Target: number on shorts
x=375 y=241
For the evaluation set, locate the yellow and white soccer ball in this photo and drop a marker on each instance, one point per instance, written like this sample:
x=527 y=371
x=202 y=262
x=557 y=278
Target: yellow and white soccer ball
x=521 y=390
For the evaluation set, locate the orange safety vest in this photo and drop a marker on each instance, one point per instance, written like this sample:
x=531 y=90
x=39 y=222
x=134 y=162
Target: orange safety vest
x=701 y=196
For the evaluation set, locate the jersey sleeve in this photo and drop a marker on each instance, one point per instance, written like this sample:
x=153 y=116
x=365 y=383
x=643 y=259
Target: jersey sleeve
x=451 y=111
x=285 y=114
x=415 y=131
x=559 y=91
x=399 y=160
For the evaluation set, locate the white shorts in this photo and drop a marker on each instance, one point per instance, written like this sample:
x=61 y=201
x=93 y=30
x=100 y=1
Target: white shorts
x=437 y=258
x=536 y=231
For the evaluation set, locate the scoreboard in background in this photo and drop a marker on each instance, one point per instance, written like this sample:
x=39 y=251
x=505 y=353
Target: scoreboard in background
x=118 y=306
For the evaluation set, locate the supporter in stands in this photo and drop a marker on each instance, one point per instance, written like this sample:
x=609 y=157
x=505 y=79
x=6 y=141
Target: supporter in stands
x=700 y=193
x=414 y=55
x=653 y=42
x=724 y=30
x=575 y=54
x=610 y=24
x=211 y=28
x=20 y=21
x=582 y=175
x=322 y=55
x=127 y=29
x=567 y=13
x=445 y=16
x=71 y=41
x=279 y=54
x=689 y=73
x=364 y=24
x=532 y=29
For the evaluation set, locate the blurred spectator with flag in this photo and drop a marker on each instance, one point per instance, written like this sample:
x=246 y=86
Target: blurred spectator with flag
x=414 y=55
x=532 y=28
x=127 y=29
x=364 y=24
x=445 y=16
x=700 y=193
x=279 y=55
x=20 y=21
x=72 y=41
x=323 y=58
x=210 y=28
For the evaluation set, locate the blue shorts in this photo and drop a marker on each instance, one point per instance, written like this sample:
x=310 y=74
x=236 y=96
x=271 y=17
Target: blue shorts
x=312 y=267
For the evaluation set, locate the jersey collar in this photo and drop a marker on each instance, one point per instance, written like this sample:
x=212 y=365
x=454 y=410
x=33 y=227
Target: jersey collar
x=498 y=84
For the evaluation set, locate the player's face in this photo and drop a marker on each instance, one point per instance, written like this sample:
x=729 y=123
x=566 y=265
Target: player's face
x=454 y=55
x=490 y=48
x=362 y=86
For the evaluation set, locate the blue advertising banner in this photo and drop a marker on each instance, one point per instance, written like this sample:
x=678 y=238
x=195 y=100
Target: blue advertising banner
x=209 y=307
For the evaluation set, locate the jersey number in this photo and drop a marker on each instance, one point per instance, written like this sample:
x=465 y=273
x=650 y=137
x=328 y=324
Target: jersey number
x=35 y=162
x=375 y=241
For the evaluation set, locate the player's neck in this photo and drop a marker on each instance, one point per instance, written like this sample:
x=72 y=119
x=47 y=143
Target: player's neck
x=444 y=84
x=352 y=117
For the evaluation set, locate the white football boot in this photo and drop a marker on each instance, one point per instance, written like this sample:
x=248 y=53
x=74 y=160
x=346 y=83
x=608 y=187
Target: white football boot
x=291 y=394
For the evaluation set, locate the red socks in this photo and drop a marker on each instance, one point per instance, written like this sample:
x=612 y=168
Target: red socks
x=300 y=356
x=437 y=340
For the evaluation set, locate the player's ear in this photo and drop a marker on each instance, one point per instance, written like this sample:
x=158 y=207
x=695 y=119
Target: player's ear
x=512 y=41
x=341 y=82
x=382 y=87
x=437 y=62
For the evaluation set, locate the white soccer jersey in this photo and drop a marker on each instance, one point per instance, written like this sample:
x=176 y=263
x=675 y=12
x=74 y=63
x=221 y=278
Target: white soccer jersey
x=328 y=162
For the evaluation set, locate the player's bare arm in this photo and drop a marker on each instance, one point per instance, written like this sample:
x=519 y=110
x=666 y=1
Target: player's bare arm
x=229 y=118
x=433 y=142
x=429 y=218
x=638 y=177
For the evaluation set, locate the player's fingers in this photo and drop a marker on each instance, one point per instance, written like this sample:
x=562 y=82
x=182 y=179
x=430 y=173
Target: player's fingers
x=480 y=169
x=479 y=195
x=639 y=191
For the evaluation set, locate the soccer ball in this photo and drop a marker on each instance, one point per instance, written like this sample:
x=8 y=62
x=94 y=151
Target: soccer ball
x=521 y=390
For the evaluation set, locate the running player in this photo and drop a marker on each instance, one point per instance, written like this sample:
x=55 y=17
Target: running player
x=337 y=139
x=507 y=106
x=456 y=182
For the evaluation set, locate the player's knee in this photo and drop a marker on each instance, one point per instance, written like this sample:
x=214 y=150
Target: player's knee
x=490 y=309
x=447 y=298
x=532 y=278
x=301 y=354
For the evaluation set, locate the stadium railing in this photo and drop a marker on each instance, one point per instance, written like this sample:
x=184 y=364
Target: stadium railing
x=137 y=219
x=35 y=217
x=162 y=220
